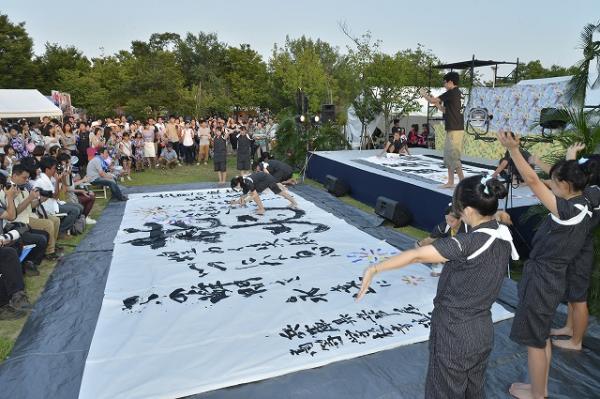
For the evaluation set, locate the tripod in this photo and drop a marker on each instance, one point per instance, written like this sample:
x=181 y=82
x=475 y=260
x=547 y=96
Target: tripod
x=308 y=156
x=510 y=186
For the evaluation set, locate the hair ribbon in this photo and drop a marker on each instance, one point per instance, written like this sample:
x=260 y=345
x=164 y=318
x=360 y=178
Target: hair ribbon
x=483 y=181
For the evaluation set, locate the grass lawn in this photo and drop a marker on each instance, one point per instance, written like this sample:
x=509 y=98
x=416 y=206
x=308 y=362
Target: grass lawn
x=34 y=286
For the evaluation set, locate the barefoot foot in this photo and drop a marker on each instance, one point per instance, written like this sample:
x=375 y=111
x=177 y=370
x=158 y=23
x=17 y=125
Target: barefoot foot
x=522 y=388
x=447 y=185
x=566 y=344
x=521 y=391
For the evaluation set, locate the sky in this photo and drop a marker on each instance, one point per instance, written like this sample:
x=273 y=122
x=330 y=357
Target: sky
x=502 y=30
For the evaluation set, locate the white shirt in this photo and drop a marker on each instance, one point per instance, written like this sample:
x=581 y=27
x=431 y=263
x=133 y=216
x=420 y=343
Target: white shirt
x=45 y=183
x=188 y=135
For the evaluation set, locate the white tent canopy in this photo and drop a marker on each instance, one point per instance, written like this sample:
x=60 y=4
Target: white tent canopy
x=354 y=125
x=26 y=103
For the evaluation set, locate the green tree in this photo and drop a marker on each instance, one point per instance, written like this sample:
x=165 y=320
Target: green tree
x=388 y=78
x=17 y=70
x=202 y=60
x=55 y=59
x=246 y=77
x=302 y=64
x=153 y=83
x=98 y=90
x=591 y=53
x=535 y=70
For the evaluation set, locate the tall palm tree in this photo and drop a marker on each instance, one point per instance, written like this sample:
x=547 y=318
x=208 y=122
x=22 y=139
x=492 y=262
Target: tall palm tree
x=591 y=51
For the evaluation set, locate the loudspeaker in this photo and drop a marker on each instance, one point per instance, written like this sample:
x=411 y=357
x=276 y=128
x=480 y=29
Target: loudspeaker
x=551 y=118
x=393 y=211
x=336 y=186
x=327 y=113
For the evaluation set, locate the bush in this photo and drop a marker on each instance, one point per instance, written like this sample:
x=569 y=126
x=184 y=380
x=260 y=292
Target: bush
x=294 y=139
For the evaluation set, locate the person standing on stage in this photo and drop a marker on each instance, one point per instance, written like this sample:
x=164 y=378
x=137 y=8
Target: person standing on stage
x=449 y=103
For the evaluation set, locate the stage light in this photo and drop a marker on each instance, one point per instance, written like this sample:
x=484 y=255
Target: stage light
x=302 y=118
x=316 y=119
x=479 y=118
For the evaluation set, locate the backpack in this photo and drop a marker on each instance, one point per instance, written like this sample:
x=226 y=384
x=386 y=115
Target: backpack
x=78 y=226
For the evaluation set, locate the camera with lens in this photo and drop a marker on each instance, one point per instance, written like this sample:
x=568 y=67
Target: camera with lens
x=45 y=193
x=12 y=235
x=60 y=168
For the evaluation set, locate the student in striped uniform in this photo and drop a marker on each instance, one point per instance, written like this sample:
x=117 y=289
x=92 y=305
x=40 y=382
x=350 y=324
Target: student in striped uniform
x=556 y=244
x=254 y=184
x=281 y=171
x=462 y=332
x=579 y=272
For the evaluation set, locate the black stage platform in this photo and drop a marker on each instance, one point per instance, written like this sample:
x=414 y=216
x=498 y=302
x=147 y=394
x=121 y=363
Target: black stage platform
x=418 y=192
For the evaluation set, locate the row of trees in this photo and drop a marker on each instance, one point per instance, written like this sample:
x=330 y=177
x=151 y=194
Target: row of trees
x=197 y=74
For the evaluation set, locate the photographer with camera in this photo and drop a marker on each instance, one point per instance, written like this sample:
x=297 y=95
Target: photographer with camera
x=84 y=199
x=17 y=203
x=48 y=184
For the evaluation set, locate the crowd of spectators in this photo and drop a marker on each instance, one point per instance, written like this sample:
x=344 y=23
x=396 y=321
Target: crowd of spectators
x=48 y=170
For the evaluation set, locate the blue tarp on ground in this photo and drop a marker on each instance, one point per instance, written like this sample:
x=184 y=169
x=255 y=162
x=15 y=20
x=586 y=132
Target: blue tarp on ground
x=49 y=355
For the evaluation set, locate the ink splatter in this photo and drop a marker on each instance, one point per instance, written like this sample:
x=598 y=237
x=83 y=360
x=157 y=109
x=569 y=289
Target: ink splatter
x=130 y=302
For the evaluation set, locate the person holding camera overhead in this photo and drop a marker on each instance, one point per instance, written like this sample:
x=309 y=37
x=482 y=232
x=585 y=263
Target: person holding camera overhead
x=48 y=183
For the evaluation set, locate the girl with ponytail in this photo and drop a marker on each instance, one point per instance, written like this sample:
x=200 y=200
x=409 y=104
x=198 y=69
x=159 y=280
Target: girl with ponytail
x=461 y=334
x=579 y=272
x=556 y=244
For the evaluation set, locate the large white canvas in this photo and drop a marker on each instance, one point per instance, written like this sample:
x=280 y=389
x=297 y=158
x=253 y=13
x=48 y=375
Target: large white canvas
x=293 y=312
x=421 y=166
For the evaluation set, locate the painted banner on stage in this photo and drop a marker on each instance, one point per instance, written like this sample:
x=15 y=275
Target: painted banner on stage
x=420 y=167
x=201 y=296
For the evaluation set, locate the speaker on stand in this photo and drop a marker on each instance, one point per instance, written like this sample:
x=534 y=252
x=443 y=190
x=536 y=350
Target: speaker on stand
x=393 y=211
x=336 y=186
x=551 y=119
x=327 y=113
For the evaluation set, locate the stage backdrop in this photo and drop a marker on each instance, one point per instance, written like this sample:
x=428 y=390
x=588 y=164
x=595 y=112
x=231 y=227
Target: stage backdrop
x=516 y=108
x=201 y=296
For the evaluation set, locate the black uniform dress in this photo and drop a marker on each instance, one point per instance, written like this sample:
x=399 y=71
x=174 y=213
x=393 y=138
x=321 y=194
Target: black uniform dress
x=462 y=332
x=554 y=246
x=220 y=154
x=260 y=181
x=579 y=272
x=281 y=171
x=244 y=148
x=233 y=139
